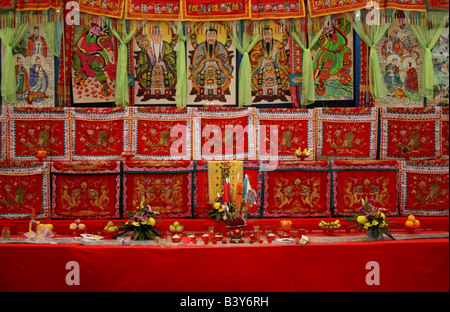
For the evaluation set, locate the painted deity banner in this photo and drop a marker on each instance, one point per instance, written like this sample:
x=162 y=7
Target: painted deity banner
x=270 y=64
x=347 y=133
x=89 y=190
x=25 y=186
x=161 y=133
x=445 y=133
x=28 y=5
x=281 y=132
x=441 y=65
x=224 y=134
x=166 y=186
x=93 y=64
x=275 y=9
x=353 y=181
x=332 y=57
x=109 y=8
x=3 y=132
x=35 y=70
x=298 y=189
x=211 y=64
x=160 y=10
x=410 y=133
x=39 y=129
x=155 y=65
x=214 y=10
x=401 y=60
x=7 y=5
x=99 y=133
x=424 y=188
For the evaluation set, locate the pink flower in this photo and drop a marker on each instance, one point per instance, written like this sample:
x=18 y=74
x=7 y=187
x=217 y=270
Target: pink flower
x=337 y=133
x=90 y=132
x=403 y=133
x=31 y=132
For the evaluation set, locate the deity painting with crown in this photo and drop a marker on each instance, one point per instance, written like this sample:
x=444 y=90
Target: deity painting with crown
x=333 y=62
x=270 y=67
x=155 y=64
x=34 y=70
x=211 y=66
x=94 y=64
x=401 y=60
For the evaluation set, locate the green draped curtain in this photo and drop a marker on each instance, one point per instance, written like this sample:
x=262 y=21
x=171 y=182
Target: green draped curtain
x=245 y=69
x=371 y=34
x=427 y=39
x=50 y=34
x=10 y=37
x=308 y=95
x=181 y=92
x=122 y=90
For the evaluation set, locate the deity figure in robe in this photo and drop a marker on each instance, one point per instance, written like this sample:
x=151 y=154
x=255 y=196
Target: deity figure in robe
x=38 y=82
x=22 y=84
x=411 y=79
x=270 y=66
x=36 y=44
x=211 y=69
x=94 y=57
x=392 y=76
x=156 y=66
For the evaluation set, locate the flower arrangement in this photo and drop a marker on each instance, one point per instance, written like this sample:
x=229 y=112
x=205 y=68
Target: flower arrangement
x=371 y=218
x=142 y=223
x=231 y=206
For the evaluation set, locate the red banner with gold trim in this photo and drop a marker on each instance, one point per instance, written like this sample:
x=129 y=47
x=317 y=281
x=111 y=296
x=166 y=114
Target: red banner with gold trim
x=438 y=5
x=27 y=5
x=274 y=9
x=7 y=5
x=161 y=10
x=109 y=8
x=210 y=10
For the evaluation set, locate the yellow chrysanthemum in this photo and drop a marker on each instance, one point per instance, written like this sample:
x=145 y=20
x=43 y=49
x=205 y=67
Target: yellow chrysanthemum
x=367 y=225
x=375 y=222
x=361 y=219
x=383 y=224
x=216 y=206
x=151 y=221
x=221 y=210
x=135 y=223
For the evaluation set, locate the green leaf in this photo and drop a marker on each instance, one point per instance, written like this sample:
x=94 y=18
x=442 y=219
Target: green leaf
x=218 y=217
x=156 y=232
x=350 y=220
x=129 y=213
x=385 y=231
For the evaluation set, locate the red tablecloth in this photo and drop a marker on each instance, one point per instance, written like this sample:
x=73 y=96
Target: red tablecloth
x=405 y=265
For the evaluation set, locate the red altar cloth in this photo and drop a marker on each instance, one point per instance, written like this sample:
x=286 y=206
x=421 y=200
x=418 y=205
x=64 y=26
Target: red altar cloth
x=405 y=265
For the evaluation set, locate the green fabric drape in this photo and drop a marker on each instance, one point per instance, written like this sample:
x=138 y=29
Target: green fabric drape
x=427 y=39
x=122 y=90
x=245 y=69
x=181 y=92
x=10 y=37
x=49 y=32
x=371 y=35
x=308 y=95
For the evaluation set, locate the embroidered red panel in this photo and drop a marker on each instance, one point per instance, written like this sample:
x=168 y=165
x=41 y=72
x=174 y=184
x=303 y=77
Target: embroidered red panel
x=281 y=132
x=224 y=134
x=3 y=132
x=410 y=133
x=161 y=10
x=7 y=4
x=347 y=133
x=26 y=5
x=274 y=9
x=100 y=133
x=424 y=188
x=214 y=10
x=25 y=186
x=353 y=181
x=298 y=190
x=163 y=133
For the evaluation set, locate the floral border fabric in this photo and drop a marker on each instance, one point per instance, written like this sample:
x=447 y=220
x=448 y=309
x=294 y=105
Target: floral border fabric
x=344 y=133
x=410 y=133
x=266 y=9
x=25 y=186
x=424 y=188
x=295 y=128
x=206 y=10
x=3 y=132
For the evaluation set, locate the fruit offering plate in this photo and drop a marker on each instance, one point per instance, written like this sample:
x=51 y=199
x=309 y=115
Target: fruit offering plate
x=109 y=234
x=285 y=233
x=329 y=232
x=412 y=229
x=91 y=236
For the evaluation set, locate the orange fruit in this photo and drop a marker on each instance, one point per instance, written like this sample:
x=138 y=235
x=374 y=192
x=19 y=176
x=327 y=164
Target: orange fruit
x=50 y=226
x=40 y=226
x=411 y=218
x=416 y=223
x=409 y=223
